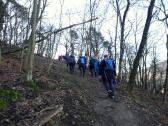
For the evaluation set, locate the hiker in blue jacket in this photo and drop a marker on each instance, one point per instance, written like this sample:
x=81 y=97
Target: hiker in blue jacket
x=92 y=66
x=66 y=58
x=82 y=61
x=96 y=67
x=107 y=72
x=71 y=64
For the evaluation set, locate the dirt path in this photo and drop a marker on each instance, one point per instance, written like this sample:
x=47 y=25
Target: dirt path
x=113 y=114
x=108 y=112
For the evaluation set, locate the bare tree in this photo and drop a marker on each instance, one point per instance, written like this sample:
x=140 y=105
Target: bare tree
x=93 y=5
x=2 y=13
x=122 y=20
x=31 y=46
x=154 y=70
x=141 y=47
x=165 y=20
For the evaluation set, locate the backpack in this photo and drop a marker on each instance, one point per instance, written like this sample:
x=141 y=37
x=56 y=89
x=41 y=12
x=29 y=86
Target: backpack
x=109 y=64
x=72 y=59
x=82 y=60
x=96 y=65
x=92 y=62
x=114 y=82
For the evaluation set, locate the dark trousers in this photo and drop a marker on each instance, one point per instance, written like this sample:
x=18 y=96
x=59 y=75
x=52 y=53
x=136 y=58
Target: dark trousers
x=82 y=68
x=107 y=79
x=92 y=71
x=71 y=67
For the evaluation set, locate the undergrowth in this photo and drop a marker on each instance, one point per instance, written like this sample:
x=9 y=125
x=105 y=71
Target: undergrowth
x=33 y=85
x=8 y=96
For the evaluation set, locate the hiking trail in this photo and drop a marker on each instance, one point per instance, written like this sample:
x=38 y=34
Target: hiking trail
x=82 y=101
x=109 y=113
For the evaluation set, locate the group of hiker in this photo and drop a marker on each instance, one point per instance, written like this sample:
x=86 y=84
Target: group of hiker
x=104 y=69
x=60 y=58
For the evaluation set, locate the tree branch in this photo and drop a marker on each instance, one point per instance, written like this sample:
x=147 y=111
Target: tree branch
x=48 y=35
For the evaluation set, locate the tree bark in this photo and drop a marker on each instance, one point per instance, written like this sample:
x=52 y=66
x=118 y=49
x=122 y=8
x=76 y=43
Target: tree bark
x=154 y=75
x=146 y=76
x=141 y=47
x=31 y=46
x=154 y=71
x=122 y=23
x=115 y=39
x=2 y=13
x=166 y=79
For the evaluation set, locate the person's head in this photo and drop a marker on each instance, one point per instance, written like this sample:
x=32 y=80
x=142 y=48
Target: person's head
x=105 y=57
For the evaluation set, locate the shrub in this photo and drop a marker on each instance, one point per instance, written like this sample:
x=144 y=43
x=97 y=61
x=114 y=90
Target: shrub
x=7 y=96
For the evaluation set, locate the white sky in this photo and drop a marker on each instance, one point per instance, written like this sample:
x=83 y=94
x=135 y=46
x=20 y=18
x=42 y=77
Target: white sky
x=76 y=9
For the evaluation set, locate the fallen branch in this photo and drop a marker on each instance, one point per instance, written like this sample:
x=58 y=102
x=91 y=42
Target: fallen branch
x=43 y=120
x=61 y=29
x=43 y=110
x=48 y=35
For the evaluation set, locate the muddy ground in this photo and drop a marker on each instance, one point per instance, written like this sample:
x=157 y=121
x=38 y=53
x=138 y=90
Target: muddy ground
x=83 y=100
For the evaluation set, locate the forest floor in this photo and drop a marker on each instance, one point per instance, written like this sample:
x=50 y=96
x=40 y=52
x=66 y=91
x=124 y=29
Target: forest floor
x=63 y=99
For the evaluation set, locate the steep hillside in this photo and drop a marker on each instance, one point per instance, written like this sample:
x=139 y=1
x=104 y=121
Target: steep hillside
x=65 y=99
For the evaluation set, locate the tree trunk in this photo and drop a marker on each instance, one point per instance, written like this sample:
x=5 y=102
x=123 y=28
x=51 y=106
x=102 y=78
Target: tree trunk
x=31 y=46
x=16 y=31
x=92 y=48
x=83 y=40
x=154 y=75
x=110 y=46
x=115 y=39
x=109 y=51
x=161 y=77
x=53 y=54
x=66 y=48
x=146 y=81
x=143 y=72
x=2 y=13
x=122 y=23
x=72 y=49
x=11 y=33
x=141 y=47
x=140 y=75
x=166 y=79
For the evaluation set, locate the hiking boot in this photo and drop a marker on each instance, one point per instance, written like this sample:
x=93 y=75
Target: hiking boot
x=115 y=99
x=109 y=93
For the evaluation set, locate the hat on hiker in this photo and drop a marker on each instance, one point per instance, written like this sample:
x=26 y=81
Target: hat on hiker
x=105 y=56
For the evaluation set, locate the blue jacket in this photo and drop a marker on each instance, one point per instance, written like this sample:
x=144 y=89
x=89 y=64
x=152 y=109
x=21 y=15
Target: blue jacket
x=85 y=60
x=96 y=65
x=71 y=60
x=66 y=58
x=102 y=68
